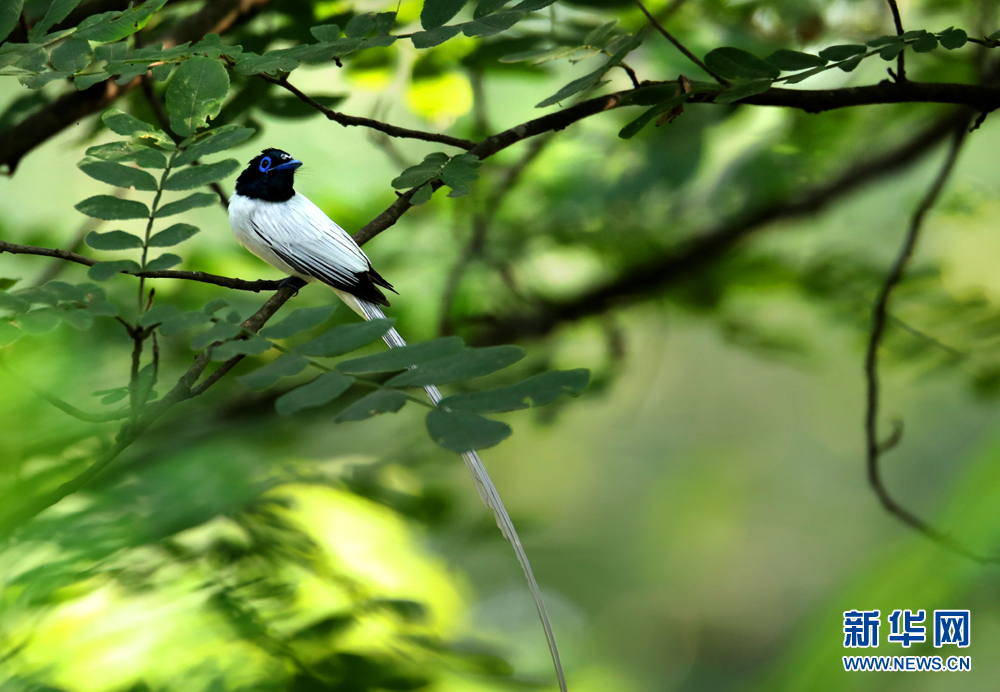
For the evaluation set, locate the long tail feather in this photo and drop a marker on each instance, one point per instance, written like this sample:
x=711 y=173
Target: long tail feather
x=491 y=498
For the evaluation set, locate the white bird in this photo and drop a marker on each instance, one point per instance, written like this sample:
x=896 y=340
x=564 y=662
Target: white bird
x=289 y=232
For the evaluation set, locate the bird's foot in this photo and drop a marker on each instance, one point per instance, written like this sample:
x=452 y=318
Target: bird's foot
x=292 y=282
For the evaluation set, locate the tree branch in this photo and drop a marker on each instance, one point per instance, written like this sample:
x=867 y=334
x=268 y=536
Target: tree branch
x=675 y=265
x=900 y=66
x=202 y=277
x=353 y=120
x=875 y=447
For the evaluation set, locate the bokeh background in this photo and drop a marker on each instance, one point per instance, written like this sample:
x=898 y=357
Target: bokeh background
x=699 y=519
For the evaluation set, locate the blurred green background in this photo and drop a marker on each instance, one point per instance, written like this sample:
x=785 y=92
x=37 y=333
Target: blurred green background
x=698 y=520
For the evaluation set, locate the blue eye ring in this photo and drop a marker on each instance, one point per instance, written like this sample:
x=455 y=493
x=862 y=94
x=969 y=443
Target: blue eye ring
x=265 y=164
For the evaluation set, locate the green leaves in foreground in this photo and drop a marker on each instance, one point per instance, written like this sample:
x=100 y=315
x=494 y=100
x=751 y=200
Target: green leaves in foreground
x=322 y=390
x=196 y=93
x=457 y=172
x=461 y=431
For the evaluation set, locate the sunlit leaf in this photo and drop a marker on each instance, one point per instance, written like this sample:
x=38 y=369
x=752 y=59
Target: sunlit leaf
x=464 y=365
x=113 y=240
x=461 y=431
x=320 y=391
x=268 y=376
x=396 y=359
x=196 y=93
x=345 y=338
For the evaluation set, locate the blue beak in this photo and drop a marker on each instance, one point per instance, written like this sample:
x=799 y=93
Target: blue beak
x=287 y=165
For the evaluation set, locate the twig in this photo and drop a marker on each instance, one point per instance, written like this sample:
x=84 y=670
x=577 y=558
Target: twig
x=875 y=447
x=353 y=120
x=900 y=67
x=680 y=46
x=202 y=277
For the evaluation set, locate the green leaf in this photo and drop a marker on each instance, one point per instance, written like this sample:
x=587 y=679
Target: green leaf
x=159 y=314
x=598 y=35
x=26 y=56
x=214 y=306
x=113 y=240
x=459 y=173
x=129 y=151
x=532 y=5
x=6 y=283
x=10 y=13
x=268 y=376
x=183 y=322
x=461 y=431
x=320 y=391
x=39 y=321
x=344 y=339
x=793 y=61
x=842 y=52
x=325 y=32
x=429 y=169
x=539 y=390
x=113 y=396
x=492 y=24
x=124 y=124
x=733 y=63
x=37 y=81
x=851 y=63
x=58 y=11
x=251 y=346
x=360 y=26
x=436 y=13
x=174 y=235
x=379 y=401
x=111 y=51
x=8 y=332
x=102 y=308
x=13 y=302
x=164 y=261
x=884 y=41
x=299 y=321
x=802 y=76
x=112 y=208
x=213 y=142
x=220 y=331
x=539 y=55
x=434 y=37
x=79 y=319
x=72 y=56
x=384 y=22
x=588 y=81
x=925 y=44
x=741 y=91
x=486 y=7
x=114 y=26
x=196 y=93
x=118 y=175
x=891 y=51
x=203 y=174
x=649 y=96
x=198 y=199
x=464 y=365
x=85 y=81
x=422 y=195
x=633 y=128
x=953 y=38
x=103 y=271
x=272 y=61
x=396 y=359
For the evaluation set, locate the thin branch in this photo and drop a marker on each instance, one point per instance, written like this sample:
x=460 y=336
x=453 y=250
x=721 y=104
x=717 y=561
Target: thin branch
x=202 y=277
x=353 y=120
x=874 y=447
x=680 y=46
x=678 y=263
x=63 y=406
x=900 y=66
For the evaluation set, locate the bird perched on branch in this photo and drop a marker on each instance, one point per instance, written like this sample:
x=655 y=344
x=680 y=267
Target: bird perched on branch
x=289 y=232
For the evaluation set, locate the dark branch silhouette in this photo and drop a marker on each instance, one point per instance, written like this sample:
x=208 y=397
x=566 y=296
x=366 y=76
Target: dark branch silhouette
x=900 y=64
x=680 y=46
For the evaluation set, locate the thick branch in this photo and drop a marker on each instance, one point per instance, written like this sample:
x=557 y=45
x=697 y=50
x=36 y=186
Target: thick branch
x=677 y=264
x=353 y=120
x=214 y=17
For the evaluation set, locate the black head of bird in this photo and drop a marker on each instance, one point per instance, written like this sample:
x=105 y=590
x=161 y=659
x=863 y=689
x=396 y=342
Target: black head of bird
x=270 y=176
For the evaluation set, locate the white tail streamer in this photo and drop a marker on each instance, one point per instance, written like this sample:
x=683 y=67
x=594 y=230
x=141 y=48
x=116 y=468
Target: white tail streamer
x=487 y=491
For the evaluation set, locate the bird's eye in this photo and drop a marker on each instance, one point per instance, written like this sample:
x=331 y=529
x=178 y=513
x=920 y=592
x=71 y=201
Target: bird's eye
x=265 y=164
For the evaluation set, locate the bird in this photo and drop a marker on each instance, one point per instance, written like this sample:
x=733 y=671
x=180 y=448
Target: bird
x=289 y=232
